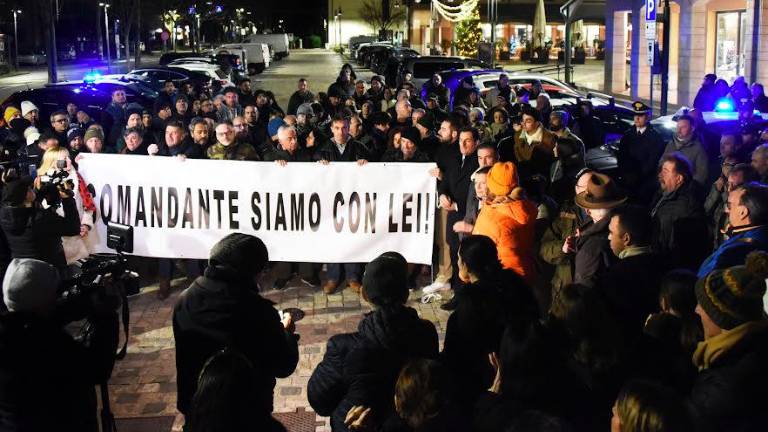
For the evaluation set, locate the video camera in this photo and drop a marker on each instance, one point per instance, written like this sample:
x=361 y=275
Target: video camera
x=52 y=182
x=102 y=273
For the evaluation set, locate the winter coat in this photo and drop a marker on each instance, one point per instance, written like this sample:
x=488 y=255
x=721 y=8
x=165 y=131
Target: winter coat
x=236 y=151
x=570 y=218
x=714 y=207
x=456 y=178
x=593 y=253
x=638 y=160
x=226 y=113
x=300 y=155
x=695 y=153
x=512 y=226
x=36 y=233
x=297 y=99
x=535 y=158
x=218 y=311
x=735 y=250
x=705 y=98
x=730 y=394
x=483 y=310
x=353 y=151
x=361 y=368
x=590 y=130
x=47 y=379
x=681 y=229
x=632 y=286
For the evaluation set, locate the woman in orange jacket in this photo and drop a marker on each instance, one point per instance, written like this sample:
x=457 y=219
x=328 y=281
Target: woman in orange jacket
x=509 y=220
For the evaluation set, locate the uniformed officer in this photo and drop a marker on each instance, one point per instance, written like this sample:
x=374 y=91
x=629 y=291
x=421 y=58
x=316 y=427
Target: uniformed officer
x=640 y=149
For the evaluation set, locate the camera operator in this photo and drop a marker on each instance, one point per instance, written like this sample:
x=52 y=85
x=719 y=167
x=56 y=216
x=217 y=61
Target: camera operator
x=32 y=226
x=47 y=379
x=223 y=309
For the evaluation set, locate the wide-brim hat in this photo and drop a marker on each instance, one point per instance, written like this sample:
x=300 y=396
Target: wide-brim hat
x=602 y=193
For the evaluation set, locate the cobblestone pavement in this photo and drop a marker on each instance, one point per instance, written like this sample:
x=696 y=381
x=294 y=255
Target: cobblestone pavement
x=144 y=383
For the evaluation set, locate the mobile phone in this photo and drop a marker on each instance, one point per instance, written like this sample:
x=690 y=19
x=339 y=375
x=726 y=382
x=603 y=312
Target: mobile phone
x=32 y=170
x=61 y=164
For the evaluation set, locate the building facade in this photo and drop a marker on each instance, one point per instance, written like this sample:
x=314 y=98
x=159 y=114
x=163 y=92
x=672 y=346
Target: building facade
x=724 y=37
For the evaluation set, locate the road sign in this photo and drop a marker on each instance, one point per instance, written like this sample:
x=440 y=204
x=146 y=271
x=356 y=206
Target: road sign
x=164 y=36
x=650 y=10
x=651 y=52
x=650 y=30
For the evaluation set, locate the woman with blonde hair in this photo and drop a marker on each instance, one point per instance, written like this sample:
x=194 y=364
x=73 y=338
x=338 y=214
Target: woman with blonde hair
x=78 y=246
x=648 y=407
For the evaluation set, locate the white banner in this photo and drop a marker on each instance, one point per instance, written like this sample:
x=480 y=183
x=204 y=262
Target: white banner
x=308 y=212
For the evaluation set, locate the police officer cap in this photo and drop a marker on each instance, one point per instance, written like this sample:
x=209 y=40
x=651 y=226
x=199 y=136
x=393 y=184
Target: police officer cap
x=640 y=108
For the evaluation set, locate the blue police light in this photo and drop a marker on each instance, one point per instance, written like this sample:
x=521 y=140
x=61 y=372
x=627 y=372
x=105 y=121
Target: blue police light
x=724 y=105
x=91 y=77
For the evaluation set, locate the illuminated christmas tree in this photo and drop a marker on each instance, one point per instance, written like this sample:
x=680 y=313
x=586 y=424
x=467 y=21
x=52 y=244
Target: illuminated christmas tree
x=468 y=35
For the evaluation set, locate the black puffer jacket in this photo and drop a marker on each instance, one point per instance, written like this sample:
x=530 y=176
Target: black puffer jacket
x=218 y=311
x=362 y=368
x=36 y=233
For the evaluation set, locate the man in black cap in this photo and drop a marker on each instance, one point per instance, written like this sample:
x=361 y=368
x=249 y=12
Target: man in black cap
x=640 y=149
x=223 y=309
x=410 y=140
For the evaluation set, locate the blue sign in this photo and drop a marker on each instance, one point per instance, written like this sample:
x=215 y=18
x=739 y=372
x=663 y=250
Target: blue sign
x=650 y=10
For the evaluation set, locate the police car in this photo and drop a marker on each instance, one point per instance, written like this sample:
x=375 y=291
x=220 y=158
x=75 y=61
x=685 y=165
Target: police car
x=92 y=95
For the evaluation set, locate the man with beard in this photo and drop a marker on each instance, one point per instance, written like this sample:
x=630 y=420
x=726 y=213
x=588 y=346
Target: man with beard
x=430 y=143
x=257 y=132
x=231 y=107
x=201 y=134
x=301 y=96
x=244 y=92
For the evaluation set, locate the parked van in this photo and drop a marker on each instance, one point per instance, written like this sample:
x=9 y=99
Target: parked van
x=278 y=41
x=256 y=55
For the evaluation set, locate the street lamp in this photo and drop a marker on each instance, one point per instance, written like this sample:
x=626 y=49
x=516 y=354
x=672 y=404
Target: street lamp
x=106 y=38
x=16 y=13
x=338 y=23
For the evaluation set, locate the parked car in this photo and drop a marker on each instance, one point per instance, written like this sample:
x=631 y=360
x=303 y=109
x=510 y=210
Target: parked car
x=156 y=77
x=387 y=62
x=365 y=52
x=33 y=59
x=90 y=96
x=424 y=67
x=278 y=41
x=210 y=69
x=356 y=41
x=171 y=56
x=257 y=57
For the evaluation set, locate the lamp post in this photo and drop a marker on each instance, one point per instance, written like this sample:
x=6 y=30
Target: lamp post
x=106 y=38
x=16 y=13
x=338 y=24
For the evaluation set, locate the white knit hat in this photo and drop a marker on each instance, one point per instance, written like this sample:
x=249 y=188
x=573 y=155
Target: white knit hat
x=30 y=285
x=27 y=107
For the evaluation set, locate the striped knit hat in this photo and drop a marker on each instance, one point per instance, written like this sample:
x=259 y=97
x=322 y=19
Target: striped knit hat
x=734 y=296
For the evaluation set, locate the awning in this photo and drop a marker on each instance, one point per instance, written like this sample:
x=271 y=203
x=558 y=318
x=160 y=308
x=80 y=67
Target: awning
x=590 y=11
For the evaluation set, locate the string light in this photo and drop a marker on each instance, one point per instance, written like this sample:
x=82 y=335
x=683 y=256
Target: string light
x=456 y=13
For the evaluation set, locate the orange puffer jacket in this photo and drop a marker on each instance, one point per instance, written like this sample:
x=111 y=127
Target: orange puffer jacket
x=511 y=225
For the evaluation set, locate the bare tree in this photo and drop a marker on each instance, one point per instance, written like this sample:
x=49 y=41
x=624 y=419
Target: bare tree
x=127 y=12
x=372 y=11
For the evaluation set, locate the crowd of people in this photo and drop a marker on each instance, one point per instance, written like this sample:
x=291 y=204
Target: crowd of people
x=580 y=300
